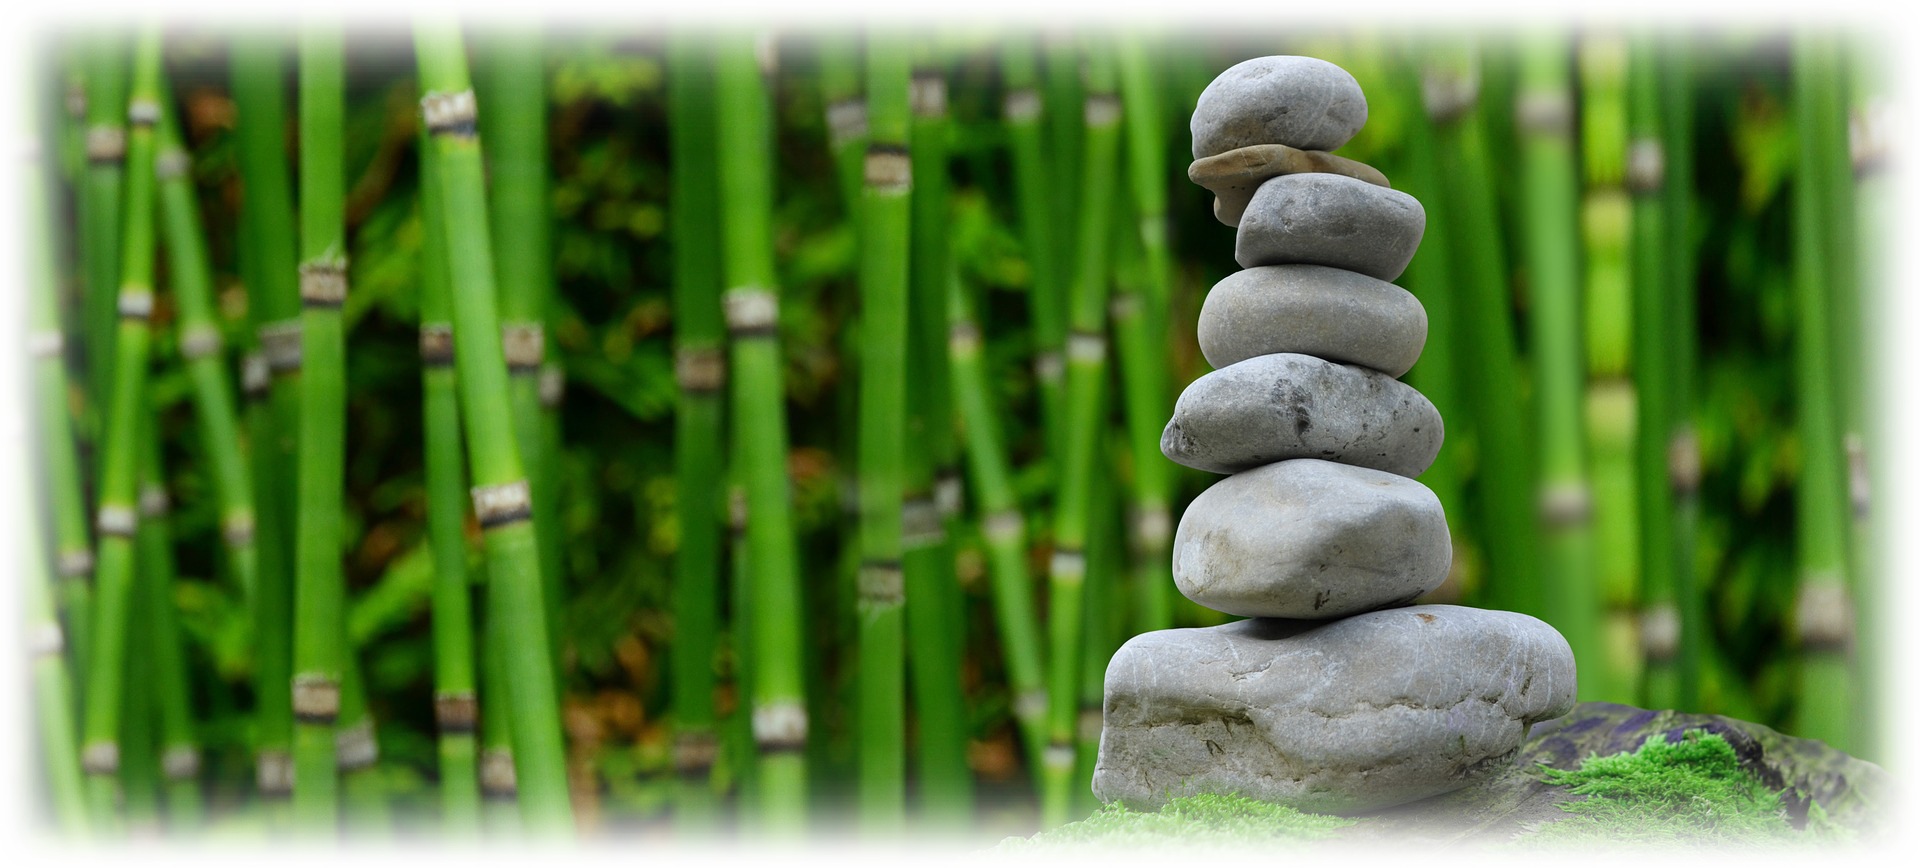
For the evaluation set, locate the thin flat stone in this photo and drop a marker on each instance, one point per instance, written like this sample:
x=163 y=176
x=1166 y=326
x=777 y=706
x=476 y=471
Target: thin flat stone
x=1302 y=102
x=1234 y=175
x=1311 y=539
x=1330 y=220
x=1288 y=405
x=1338 y=315
x=1343 y=716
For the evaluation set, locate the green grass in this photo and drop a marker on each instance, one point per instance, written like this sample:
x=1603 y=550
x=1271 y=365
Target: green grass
x=1184 y=821
x=1692 y=792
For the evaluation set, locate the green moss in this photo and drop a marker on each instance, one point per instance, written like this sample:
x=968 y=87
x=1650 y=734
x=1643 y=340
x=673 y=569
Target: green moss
x=1687 y=793
x=1189 y=820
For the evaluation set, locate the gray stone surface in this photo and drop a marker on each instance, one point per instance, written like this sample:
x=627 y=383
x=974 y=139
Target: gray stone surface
x=1301 y=102
x=1288 y=405
x=1340 y=316
x=1234 y=175
x=1311 y=539
x=1334 y=220
x=1344 y=716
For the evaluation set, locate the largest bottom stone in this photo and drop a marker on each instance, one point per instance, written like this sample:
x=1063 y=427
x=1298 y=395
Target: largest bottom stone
x=1364 y=712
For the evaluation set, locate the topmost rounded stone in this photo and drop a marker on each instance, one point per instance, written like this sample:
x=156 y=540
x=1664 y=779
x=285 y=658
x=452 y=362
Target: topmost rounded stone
x=1300 y=102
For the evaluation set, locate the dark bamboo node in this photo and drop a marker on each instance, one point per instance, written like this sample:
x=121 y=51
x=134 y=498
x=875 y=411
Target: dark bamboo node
x=1153 y=526
x=694 y=752
x=355 y=747
x=100 y=758
x=553 y=386
x=143 y=113
x=1859 y=481
x=920 y=522
x=1544 y=112
x=456 y=712
x=1067 y=565
x=497 y=779
x=316 y=699
x=46 y=640
x=780 y=727
x=1049 y=366
x=75 y=564
x=501 y=505
x=436 y=344
x=48 y=344
x=524 y=344
x=927 y=94
x=273 y=774
x=1646 y=165
x=238 y=528
x=280 y=343
x=1660 y=633
x=199 y=341
x=1101 y=109
x=751 y=312
x=24 y=148
x=1031 y=704
x=888 y=168
x=882 y=582
x=106 y=145
x=180 y=762
x=1089 y=721
x=154 y=502
x=451 y=114
x=1683 y=462
x=1880 y=139
x=114 y=519
x=963 y=337
x=948 y=491
x=846 y=120
x=1020 y=105
x=323 y=285
x=1086 y=346
x=1823 y=615
x=1448 y=96
x=256 y=377
x=1565 y=505
x=136 y=303
x=171 y=164
x=700 y=370
x=1003 y=525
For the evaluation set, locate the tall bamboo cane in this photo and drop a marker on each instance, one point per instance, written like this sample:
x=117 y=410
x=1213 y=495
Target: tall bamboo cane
x=172 y=702
x=844 y=96
x=1674 y=70
x=1036 y=191
x=1874 y=215
x=101 y=217
x=751 y=302
x=127 y=413
x=500 y=493
x=1880 y=146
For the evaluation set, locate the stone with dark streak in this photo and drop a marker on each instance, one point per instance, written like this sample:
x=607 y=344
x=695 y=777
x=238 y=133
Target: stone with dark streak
x=1236 y=174
x=1330 y=220
x=1300 y=102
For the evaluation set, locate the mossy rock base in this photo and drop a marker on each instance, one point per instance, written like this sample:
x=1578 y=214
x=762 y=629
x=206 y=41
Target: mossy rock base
x=1450 y=830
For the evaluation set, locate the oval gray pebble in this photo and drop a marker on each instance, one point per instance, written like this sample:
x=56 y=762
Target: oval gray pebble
x=1350 y=715
x=1300 y=102
x=1287 y=405
x=1333 y=220
x=1311 y=539
x=1338 y=315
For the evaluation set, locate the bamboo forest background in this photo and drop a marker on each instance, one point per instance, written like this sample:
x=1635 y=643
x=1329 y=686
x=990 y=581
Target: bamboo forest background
x=803 y=559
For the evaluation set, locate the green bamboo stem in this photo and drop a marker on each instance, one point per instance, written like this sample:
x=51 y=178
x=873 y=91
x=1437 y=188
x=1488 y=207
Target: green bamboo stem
x=499 y=787
x=1062 y=55
x=1880 y=150
x=935 y=630
x=1105 y=617
x=100 y=216
x=700 y=372
x=1823 y=614
x=455 y=704
x=1551 y=257
x=885 y=212
x=1487 y=363
x=1652 y=359
x=1674 y=72
x=56 y=450
x=1085 y=393
x=365 y=811
x=500 y=495
x=1003 y=527
x=511 y=83
x=127 y=413
x=1606 y=218
x=843 y=95
x=271 y=378
x=1139 y=311
x=43 y=636
x=139 y=710
x=1035 y=193
x=178 y=759
x=1874 y=214
x=319 y=634
x=774 y=648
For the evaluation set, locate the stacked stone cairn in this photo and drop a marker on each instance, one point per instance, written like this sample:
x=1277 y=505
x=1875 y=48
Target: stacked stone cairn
x=1336 y=694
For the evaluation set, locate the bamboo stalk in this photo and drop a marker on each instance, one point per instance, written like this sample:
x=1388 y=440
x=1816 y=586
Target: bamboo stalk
x=499 y=786
x=1823 y=615
x=365 y=811
x=319 y=633
x=1874 y=213
x=700 y=372
x=105 y=71
x=1675 y=76
x=751 y=300
x=127 y=413
x=935 y=631
x=844 y=96
x=500 y=495
x=1880 y=148
x=1551 y=257
x=455 y=704
x=271 y=377
x=41 y=632
x=178 y=759
x=1085 y=394
x=1035 y=194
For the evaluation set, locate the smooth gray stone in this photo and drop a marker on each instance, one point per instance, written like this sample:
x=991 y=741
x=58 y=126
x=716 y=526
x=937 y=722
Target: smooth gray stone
x=1300 y=102
x=1340 y=316
x=1343 y=716
x=1311 y=539
x=1327 y=219
x=1288 y=405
